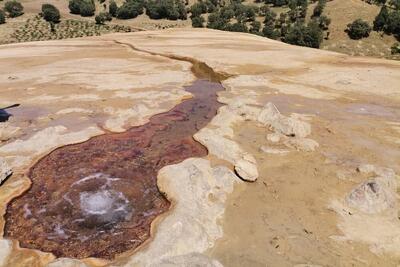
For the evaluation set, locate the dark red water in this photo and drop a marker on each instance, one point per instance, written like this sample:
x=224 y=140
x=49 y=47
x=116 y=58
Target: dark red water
x=98 y=198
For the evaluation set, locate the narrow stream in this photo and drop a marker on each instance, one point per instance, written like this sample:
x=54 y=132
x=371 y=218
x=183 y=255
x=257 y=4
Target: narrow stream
x=98 y=198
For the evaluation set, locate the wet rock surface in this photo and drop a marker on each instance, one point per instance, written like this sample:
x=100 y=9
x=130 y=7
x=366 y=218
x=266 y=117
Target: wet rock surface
x=98 y=198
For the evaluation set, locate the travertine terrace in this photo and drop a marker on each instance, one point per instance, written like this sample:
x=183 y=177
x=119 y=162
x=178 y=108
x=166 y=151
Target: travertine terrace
x=303 y=154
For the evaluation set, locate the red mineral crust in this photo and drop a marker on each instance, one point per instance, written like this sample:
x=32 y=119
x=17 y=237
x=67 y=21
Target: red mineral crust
x=98 y=198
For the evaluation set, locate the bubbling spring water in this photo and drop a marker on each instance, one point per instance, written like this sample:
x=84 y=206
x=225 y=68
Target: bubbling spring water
x=99 y=198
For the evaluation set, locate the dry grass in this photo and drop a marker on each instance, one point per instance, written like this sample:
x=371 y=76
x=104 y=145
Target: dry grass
x=37 y=29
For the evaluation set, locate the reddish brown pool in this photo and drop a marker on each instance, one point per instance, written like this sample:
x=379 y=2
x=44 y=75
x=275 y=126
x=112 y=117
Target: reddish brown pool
x=98 y=198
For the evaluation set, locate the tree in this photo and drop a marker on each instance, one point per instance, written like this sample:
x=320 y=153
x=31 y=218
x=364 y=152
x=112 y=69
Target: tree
x=87 y=8
x=216 y=21
x=130 y=10
x=300 y=34
x=270 y=32
x=2 y=17
x=14 y=8
x=395 y=49
x=237 y=27
x=319 y=8
x=395 y=4
x=198 y=22
x=113 y=8
x=381 y=19
x=102 y=17
x=358 y=29
x=50 y=13
x=74 y=6
x=324 y=22
x=255 y=27
x=169 y=9
x=393 y=23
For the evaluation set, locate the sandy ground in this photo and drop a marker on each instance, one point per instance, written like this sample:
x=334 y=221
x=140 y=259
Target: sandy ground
x=296 y=212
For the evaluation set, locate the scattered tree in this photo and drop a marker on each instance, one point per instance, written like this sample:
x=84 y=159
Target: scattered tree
x=2 y=17
x=14 y=8
x=130 y=9
x=358 y=29
x=113 y=8
x=50 y=13
x=102 y=17
x=198 y=22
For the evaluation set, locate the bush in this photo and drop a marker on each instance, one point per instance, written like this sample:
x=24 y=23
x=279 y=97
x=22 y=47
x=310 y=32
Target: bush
x=319 y=8
x=102 y=17
x=270 y=32
x=166 y=9
x=358 y=29
x=113 y=8
x=300 y=34
x=197 y=22
x=50 y=13
x=393 y=23
x=74 y=6
x=130 y=10
x=14 y=8
x=395 y=49
x=87 y=8
x=2 y=17
x=237 y=27
x=381 y=19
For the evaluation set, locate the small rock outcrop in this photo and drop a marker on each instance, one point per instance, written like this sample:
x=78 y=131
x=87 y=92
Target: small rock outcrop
x=289 y=126
x=375 y=195
x=5 y=171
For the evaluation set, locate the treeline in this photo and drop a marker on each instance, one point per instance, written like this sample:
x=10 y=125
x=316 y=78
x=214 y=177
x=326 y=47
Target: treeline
x=155 y=9
x=290 y=27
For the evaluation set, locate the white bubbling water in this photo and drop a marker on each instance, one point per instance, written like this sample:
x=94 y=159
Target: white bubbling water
x=100 y=202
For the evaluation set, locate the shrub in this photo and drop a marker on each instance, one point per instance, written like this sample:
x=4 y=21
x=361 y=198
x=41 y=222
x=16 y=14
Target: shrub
x=358 y=29
x=395 y=49
x=237 y=27
x=198 y=22
x=130 y=10
x=2 y=17
x=87 y=8
x=300 y=34
x=113 y=8
x=14 y=8
x=74 y=6
x=168 y=9
x=50 y=13
x=381 y=19
x=270 y=32
x=319 y=8
x=102 y=17
x=393 y=23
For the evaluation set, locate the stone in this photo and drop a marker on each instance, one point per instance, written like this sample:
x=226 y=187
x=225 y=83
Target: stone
x=366 y=168
x=246 y=168
x=372 y=196
x=301 y=144
x=270 y=150
x=289 y=126
x=274 y=137
x=5 y=250
x=198 y=193
x=7 y=131
x=5 y=170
